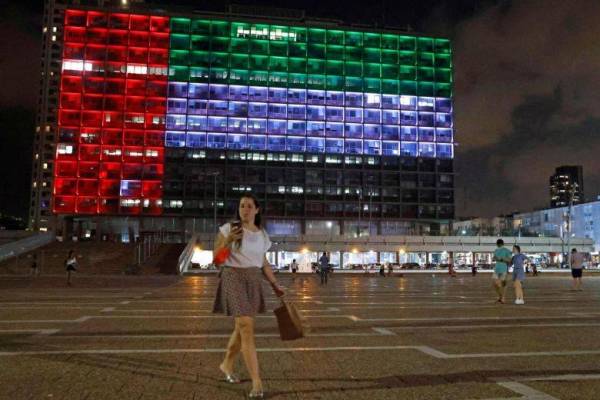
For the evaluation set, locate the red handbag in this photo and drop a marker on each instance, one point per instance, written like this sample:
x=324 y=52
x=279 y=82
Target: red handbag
x=221 y=256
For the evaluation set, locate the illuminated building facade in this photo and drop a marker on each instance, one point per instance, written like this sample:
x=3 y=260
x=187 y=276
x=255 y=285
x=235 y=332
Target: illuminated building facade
x=161 y=116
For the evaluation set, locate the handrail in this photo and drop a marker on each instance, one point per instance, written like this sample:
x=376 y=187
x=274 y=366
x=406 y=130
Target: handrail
x=186 y=255
x=16 y=248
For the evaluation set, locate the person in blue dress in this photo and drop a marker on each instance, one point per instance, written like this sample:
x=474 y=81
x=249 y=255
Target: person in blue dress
x=518 y=262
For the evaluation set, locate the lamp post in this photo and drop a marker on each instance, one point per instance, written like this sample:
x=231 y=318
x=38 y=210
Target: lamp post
x=569 y=213
x=214 y=175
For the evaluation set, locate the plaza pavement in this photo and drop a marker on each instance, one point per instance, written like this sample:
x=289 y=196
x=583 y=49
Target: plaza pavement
x=411 y=337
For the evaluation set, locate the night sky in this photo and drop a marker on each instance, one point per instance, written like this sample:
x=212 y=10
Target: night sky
x=527 y=91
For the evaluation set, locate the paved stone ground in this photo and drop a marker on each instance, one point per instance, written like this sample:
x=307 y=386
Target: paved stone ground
x=416 y=337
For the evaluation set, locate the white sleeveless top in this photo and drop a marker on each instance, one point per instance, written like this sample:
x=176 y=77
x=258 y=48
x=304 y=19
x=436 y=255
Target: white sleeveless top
x=252 y=251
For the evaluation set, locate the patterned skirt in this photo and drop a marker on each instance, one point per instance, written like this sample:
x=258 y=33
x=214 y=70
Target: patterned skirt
x=240 y=292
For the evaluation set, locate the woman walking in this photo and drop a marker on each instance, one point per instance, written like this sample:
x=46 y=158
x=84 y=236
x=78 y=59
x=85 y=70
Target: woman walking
x=239 y=293
x=518 y=275
x=70 y=265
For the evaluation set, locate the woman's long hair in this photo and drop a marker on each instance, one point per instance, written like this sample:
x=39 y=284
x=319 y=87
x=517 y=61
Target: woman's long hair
x=258 y=216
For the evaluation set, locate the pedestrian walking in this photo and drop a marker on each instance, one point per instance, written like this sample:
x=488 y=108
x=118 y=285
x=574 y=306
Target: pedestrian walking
x=324 y=268
x=576 y=261
x=294 y=267
x=70 y=265
x=239 y=293
x=518 y=262
x=35 y=270
x=382 y=270
x=502 y=256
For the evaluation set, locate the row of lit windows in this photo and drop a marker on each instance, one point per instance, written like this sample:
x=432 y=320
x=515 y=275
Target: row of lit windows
x=242 y=30
x=75 y=85
x=95 y=205
x=214 y=51
x=103 y=187
x=424 y=87
x=307 y=128
x=127 y=137
x=109 y=168
x=281 y=35
x=198 y=109
x=308 y=144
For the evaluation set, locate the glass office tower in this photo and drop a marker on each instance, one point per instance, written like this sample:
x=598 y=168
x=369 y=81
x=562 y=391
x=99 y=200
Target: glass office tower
x=337 y=130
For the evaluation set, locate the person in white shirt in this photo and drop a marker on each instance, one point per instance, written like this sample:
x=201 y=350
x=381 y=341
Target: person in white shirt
x=239 y=293
x=576 y=261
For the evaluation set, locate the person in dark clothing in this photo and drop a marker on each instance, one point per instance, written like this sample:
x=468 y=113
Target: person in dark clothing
x=324 y=268
x=70 y=265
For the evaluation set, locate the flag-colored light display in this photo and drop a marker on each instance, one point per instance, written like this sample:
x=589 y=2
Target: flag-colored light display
x=132 y=85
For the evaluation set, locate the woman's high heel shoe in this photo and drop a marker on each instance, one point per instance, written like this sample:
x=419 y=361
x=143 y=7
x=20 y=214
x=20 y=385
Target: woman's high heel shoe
x=230 y=378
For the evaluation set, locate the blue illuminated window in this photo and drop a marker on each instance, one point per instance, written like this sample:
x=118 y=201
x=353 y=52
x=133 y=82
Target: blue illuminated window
x=408 y=133
x=372 y=116
x=334 y=146
x=426 y=104
x=353 y=115
x=426 y=135
x=390 y=117
x=277 y=95
x=353 y=146
x=277 y=110
x=316 y=113
x=216 y=140
x=295 y=144
x=334 y=114
x=390 y=101
x=239 y=93
x=257 y=93
x=408 y=102
x=314 y=128
x=296 y=111
x=444 y=150
x=196 y=140
x=130 y=188
x=197 y=123
x=296 y=127
x=198 y=91
x=257 y=110
x=315 y=97
x=353 y=131
x=217 y=124
x=425 y=119
x=216 y=107
x=257 y=125
x=236 y=141
x=177 y=106
x=408 y=118
x=390 y=148
x=390 y=132
x=334 y=129
x=372 y=147
x=297 y=96
x=372 y=132
x=174 y=139
x=334 y=98
x=408 y=149
x=176 y=122
x=276 y=143
x=315 y=145
x=353 y=99
x=443 y=120
x=237 y=125
x=198 y=107
x=257 y=142
x=443 y=105
x=443 y=135
x=427 y=149
x=218 y=92
x=372 y=100
x=178 y=89
x=277 y=126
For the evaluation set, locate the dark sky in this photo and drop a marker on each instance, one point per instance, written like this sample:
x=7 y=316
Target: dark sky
x=527 y=88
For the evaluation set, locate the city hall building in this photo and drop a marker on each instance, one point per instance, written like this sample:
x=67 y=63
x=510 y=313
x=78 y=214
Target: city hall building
x=160 y=119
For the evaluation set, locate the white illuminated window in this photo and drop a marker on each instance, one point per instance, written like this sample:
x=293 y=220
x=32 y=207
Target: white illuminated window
x=45 y=29
x=137 y=69
x=76 y=65
x=45 y=165
x=63 y=148
x=54 y=29
x=54 y=38
x=112 y=152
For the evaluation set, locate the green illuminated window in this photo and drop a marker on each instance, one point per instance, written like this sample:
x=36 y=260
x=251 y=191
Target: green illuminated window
x=278 y=48
x=220 y=60
x=406 y=43
x=219 y=44
x=372 y=85
x=353 y=53
x=315 y=81
x=408 y=73
x=389 y=57
x=372 y=70
x=297 y=49
x=180 y=42
x=425 y=74
x=258 y=77
x=199 y=58
x=425 y=89
x=408 y=87
x=390 y=86
x=443 y=75
x=353 y=39
x=315 y=66
x=442 y=46
x=219 y=28
x=372 y=55
x=316 y=50
x=239 y=45
x=372 y=40
x=425 y=44
x=389 y=42
x=425 y=60
x=407 y=58
x=200 y=27
x=179 y=57
x=199 y=74
x=389 y=71
x=259 y=47
x=297 y=65
x=180 y=25
x=353 y=68
x=179 y=73
x=442 y=60
x=316 y=35
x=238 y=77
x=259 y=62
x=335 y=52
x=300 y=34
x=335 y=82
x=353 y=84
x=335 y=67
x=278 y=79
x=239 y=61
x=335 y=37
x=278 y=64
x=297 y=80
x=199 y=42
